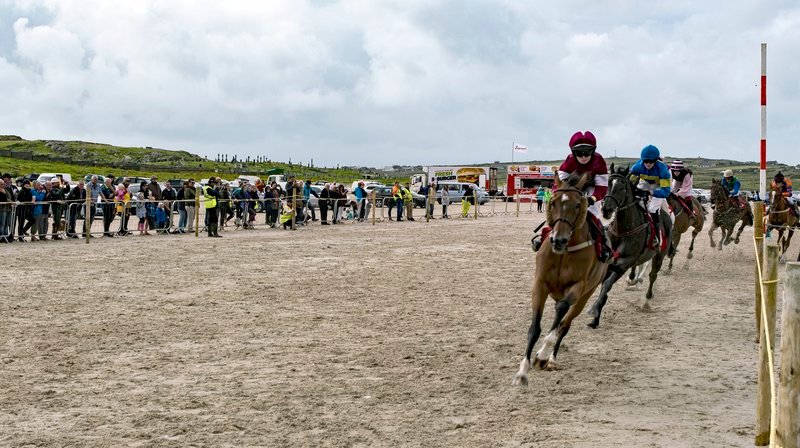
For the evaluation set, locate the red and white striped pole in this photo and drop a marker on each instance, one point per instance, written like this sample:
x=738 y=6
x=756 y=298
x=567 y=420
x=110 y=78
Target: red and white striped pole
x=762 y=192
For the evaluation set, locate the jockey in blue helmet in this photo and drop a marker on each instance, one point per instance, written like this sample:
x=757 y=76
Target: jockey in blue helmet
x=653 y=177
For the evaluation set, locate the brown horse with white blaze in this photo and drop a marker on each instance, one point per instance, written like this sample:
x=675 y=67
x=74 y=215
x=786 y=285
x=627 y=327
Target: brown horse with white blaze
x=567 y=269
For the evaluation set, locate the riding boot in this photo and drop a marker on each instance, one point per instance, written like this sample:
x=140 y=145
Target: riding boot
x=657 y=227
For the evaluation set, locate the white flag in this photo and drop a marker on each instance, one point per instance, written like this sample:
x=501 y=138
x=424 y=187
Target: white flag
x=520 y=148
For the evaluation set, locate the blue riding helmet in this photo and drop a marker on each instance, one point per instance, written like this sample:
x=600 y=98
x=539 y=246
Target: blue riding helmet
x=650 y=152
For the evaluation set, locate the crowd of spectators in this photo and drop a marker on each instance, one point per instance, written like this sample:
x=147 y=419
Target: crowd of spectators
x=50 y=209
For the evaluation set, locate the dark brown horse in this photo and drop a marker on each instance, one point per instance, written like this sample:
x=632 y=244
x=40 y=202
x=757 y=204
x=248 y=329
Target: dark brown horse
x=684 y=219
x=782 y=218
x=567 y=269
x=727 y=212
x=630 y=234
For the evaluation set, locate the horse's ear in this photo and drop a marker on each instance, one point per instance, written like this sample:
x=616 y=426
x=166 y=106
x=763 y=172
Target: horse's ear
x=612 y=168
x=582 y=181
x=556 y=179
x=627 y=169
x=714 y=180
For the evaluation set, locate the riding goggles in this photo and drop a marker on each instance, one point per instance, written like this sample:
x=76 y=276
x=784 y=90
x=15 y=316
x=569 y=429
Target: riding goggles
x=649 y=160
x=582 y=152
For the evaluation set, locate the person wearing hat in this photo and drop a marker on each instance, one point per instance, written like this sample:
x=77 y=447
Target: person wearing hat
x=211 y=197
x=108 y=194
x=75 y=200
x=682 y=185
x=584 y=158
x=784 y=185
x=653 y=178
x=153 y=197
x=7 y=197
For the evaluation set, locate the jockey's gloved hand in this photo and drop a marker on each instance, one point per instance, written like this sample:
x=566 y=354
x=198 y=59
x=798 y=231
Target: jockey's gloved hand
x=591 y=200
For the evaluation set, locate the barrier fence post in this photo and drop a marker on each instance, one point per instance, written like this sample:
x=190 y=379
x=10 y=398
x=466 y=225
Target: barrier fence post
x=475 y=198
x=430 y=204
x=516 y=199
x=758 y=230
x=294 y=206
x=788 y=419
x=764 y=412
x=374 y=205
x=87 y=222
x=196 y=214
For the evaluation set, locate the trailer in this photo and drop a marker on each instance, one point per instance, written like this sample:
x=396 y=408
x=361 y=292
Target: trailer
x=526 y=180
x=482 y=176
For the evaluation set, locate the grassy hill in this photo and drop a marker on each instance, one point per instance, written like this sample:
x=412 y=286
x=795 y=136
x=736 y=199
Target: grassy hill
x=79 y=158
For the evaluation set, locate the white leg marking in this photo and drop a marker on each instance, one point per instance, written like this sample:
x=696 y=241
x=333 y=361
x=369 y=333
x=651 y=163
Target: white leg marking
x=547 y=348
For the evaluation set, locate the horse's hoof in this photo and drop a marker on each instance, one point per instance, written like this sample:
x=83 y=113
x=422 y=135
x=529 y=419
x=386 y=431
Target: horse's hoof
x=646 y=307
x=551 y=365
x=631 y=282
x=689 y=256
x=736 y=241
x=668 y=271
x=593 y=312
x=593 y=324
x=520 y=380
x=539 y=364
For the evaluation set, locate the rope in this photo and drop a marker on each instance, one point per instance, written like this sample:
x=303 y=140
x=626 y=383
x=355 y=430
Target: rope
x=773 y=402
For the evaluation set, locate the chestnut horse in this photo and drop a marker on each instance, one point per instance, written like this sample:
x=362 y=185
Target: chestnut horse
x=567 y=269
x=683 y=220
x=781 y=218
x=727 y=212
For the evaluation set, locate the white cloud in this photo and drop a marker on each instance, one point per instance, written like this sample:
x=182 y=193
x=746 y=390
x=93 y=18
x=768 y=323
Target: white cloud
x=376 y=83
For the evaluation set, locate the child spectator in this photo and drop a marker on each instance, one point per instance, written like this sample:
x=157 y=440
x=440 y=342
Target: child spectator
x=141 y=213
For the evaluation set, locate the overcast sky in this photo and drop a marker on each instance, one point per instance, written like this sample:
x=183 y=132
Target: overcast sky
x=376 y=83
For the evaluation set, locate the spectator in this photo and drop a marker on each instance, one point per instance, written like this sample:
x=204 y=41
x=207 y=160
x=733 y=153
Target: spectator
x=55 y=196
x=252 y=203
x=24 y=210
x=161 y=218
x=240 y=196
x=210 y=197
x=548 y=194
x=108 y=194
x=408 y=199
x=190 y=196
x=141 y=211
x=445 y=201
x=361 y=200
x=181 y=207
x=65 y=186
x=324 y=202
x=273 y=204
x=307 y=193
x=75 y=200
x=168 y=196
x=397 y=194
x=5 y=213
x=40 y=212
x=153 y=198
x=539 y=198
x=11 y=194
x=122 y=199
x=225 y=209
x=93 y=190
x=430 y=201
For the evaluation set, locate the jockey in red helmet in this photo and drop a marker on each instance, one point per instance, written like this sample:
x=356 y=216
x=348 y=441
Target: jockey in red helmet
x=584 y=158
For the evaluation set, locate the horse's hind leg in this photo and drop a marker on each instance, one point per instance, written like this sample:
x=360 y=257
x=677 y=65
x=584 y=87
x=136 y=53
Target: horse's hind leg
x=632 y=276
x=739 y=232
x=786 y=245
x=597 y=308
x=673 y=249
x=539 y=296
x=658 y=260
x=695 y=232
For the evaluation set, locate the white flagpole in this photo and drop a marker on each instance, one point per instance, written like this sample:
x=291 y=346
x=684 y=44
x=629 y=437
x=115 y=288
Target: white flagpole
x=512 y=152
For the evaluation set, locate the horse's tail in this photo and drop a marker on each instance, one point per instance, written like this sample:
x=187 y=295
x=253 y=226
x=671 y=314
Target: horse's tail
x=748 y=217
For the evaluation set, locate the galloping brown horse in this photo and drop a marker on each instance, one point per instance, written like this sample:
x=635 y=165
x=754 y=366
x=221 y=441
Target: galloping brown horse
x=727 y=212
x=781 y=218
x=567 y=269
x=683 y=220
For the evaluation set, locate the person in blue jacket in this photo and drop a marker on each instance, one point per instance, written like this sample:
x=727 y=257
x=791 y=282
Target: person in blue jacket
x=730 y=183
x=653 y=177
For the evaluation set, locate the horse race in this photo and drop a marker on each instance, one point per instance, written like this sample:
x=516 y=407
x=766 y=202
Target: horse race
x=339 y=223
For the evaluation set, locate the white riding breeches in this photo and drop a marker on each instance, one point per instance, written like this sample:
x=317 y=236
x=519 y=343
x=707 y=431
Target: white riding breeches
x=653 y=204
x=595 y=210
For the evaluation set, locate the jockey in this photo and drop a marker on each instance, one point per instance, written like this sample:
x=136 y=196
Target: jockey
x=653 y=177
x=731 y=186
x=585 y=159
x=682 y=184
x=785 y=187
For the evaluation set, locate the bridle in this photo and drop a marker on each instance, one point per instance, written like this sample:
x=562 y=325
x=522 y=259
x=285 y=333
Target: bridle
x=625 y=204
x=570 y=224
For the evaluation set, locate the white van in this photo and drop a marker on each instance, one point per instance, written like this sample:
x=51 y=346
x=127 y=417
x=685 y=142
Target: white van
x=45 y=177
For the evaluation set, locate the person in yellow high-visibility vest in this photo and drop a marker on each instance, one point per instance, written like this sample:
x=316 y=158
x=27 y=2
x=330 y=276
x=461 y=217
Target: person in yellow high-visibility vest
x=408 y=199
x=397 y=193
x=210 y=198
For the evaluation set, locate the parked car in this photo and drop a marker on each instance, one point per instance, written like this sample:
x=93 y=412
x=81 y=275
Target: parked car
x=46 y=177
x=703 y=196
x=457 y=190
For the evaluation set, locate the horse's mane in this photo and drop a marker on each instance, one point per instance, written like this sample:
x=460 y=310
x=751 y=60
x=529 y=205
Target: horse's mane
x=574 y=178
